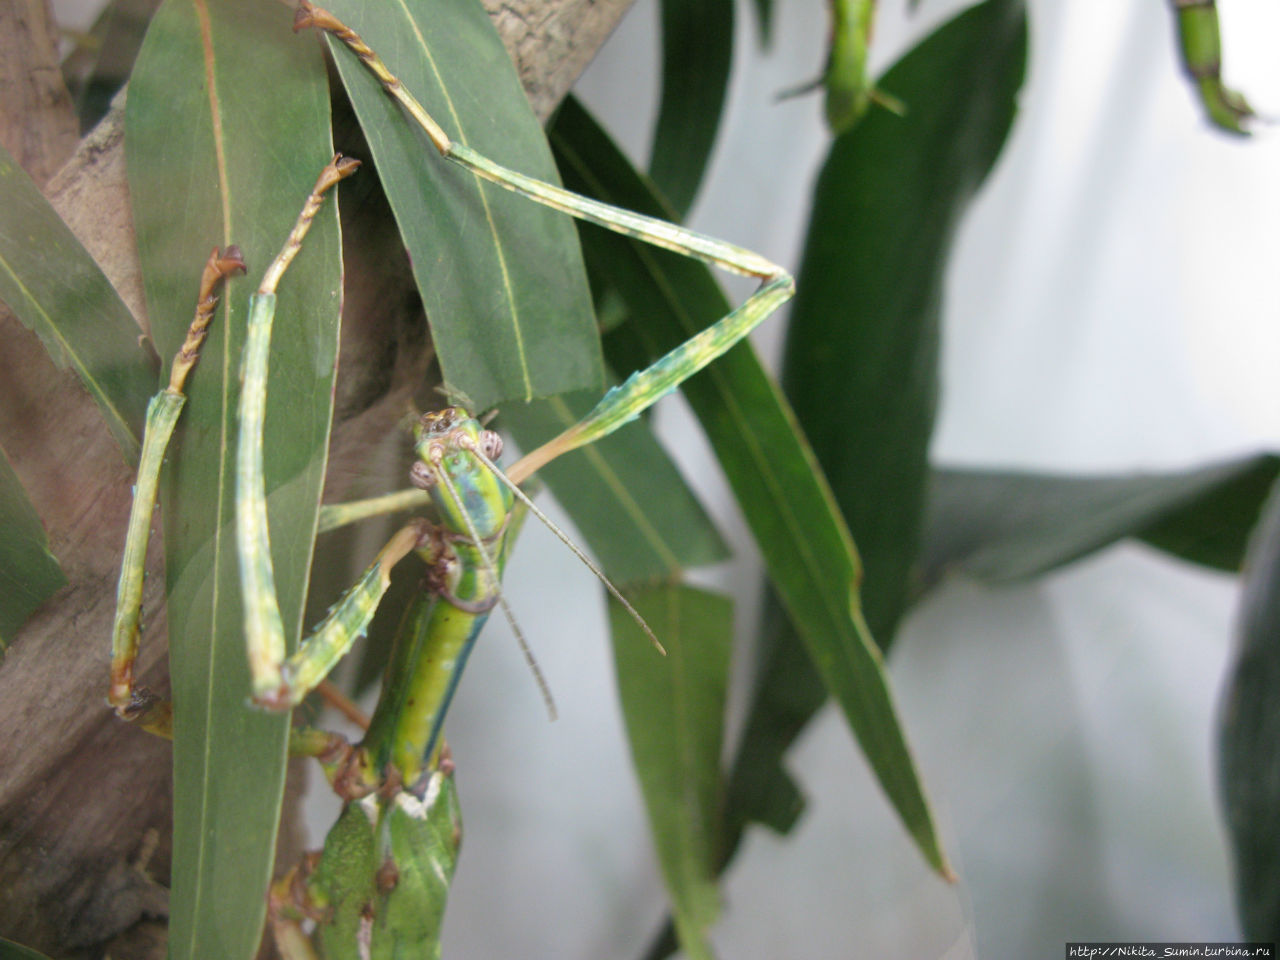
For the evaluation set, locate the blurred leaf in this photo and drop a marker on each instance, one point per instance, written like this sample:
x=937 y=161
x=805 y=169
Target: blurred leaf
x=16 y=951
x=29 y=573
x=212 y=165
x=500 y=276
x=101 y=61
x=624 y=494
x=764 y=17
x=674 y=708
x=862 y=350
x=789 y=691
x=1000 y=526
x=806 y=548
x=54 y=287
x=1213 y=527
x=1249 y=730
x=697 y=49
x=861 y=364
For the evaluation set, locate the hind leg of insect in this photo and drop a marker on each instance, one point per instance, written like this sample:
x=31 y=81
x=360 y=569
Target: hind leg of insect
x=131 y=702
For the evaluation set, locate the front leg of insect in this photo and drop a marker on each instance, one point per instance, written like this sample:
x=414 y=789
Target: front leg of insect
x=131 y=703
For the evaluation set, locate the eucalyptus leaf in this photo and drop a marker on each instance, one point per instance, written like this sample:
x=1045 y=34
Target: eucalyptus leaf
x=203 y=174
x=806 y=548
x=862 y=349
x=1248 y=731
x=877 y=188
x=697 y=49
x=1001 y=526
x=764 y=19
x=674 y=708
x=54 y=287
x=16 y=951
x=624 y=494
x=29 y=573
x=500 y=276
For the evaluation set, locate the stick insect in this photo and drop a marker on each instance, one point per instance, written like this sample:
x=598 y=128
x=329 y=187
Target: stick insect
x=380 y=882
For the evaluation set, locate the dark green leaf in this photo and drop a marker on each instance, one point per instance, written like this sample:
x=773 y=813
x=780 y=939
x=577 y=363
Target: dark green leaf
x=16 y=951
x=861 y=362
x=674 y=708
x=1249 y=729
x=625 y=495
x=806 y=548
x=1212 y=528
x=862 y=356
x=501 y=277
x=53 y=286
x=1001 y=526
x=697 y=48
x=231 y=162
x=29 y=573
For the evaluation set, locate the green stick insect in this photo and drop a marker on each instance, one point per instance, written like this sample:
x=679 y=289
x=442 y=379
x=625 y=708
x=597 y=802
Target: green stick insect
x=378 y=886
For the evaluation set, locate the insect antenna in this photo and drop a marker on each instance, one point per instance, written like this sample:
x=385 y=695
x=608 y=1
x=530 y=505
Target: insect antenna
x=564 y=538
x=491 y=569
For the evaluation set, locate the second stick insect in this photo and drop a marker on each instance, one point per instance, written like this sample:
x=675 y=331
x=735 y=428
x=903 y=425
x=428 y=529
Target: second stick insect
x=381 y=880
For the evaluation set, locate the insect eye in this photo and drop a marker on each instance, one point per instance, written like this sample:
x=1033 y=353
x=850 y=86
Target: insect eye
x=490 y=444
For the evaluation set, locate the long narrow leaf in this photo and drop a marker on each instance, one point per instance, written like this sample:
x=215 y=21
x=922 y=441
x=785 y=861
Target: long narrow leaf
x=1249 y=729
x=1002 y=526
x=29 y=573
x=806 y=547
x=862 y=360
x=674 y=707
x=697 y=49
x=53 y=286
x=227 y=129
x=501 y=277
x=16 y=951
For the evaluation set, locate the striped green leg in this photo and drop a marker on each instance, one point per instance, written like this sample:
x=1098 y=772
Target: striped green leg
x=1200 y=43
x=131 y=703
x=279 y=681
x=627 y=400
